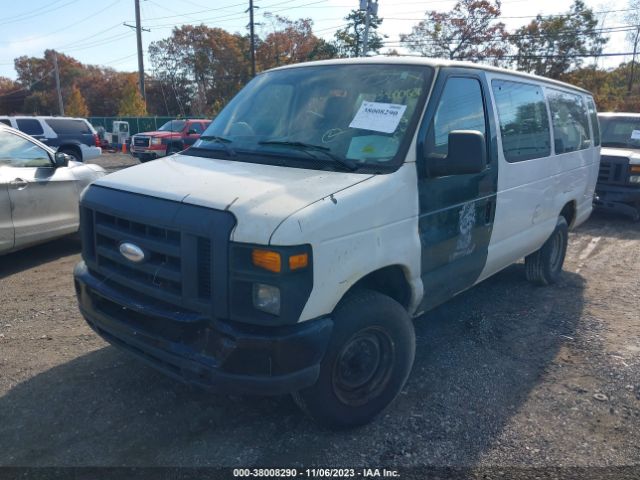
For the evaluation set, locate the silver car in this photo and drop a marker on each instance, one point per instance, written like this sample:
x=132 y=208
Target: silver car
x=39 y=191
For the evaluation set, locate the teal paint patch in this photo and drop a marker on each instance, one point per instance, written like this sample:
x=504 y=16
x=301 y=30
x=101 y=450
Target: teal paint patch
x=456 y=211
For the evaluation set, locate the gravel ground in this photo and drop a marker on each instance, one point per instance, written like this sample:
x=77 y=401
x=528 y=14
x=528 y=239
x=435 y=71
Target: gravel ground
x=506 y=374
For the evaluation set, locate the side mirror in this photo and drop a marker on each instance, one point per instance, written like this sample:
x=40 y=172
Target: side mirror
x=61 y=159
x=467 y=154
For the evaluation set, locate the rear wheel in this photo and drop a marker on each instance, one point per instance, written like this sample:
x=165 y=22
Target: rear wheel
x=367 y=362
x=543 y=267
x=72 y=152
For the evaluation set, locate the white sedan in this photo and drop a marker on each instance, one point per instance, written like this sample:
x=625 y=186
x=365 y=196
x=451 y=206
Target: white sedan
x=39 y=191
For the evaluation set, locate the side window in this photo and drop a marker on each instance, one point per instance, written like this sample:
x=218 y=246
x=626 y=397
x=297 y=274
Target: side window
x=569 y=118
x=524 y=123
x=594 y=121
x=30 y=126
x=5 y=121
x=460 y=108
x=196 y=126
x=67 y=126
x=16 y=151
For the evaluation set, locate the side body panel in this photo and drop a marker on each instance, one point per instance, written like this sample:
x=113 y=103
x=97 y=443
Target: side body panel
x=532 y=193
x=46 y=206
x=356 y=231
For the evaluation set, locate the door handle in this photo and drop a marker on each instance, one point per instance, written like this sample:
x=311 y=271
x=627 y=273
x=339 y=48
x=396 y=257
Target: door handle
x=19 y=184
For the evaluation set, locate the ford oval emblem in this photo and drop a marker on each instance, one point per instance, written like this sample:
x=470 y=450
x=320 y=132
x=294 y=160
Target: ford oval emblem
x=131 y=252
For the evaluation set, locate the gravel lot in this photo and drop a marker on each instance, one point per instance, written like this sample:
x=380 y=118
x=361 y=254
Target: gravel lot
x=506 y=374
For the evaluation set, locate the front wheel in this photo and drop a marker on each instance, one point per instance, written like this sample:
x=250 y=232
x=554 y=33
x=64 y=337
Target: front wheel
x=367 y=362
x=543 y=267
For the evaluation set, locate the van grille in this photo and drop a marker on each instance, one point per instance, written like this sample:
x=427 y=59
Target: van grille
x=160 y=272
x=613 y=170
x=186 y=250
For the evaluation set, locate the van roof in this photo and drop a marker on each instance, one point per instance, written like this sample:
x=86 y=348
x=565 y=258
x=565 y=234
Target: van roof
x=431 y=62
x=43 y=117
x=619 y=114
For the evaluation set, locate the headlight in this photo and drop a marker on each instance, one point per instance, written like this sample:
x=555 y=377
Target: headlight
x=156 y=141
x=266 y=298
x=634 y=179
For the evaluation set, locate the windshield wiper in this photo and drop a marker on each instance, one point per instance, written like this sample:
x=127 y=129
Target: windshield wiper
x=222 y=141
x=346 y=163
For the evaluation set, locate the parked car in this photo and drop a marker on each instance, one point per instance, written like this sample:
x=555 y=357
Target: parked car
x=39 y=191
x=327 y=205
x=172 y=137
x=74 y=136
x=618 y=187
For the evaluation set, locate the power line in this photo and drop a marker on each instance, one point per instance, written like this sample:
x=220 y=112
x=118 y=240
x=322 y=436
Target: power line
x=37 y=14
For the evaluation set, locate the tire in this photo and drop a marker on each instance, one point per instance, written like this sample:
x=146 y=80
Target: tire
x=367 y=362
x=77 y=156
x=544 y=266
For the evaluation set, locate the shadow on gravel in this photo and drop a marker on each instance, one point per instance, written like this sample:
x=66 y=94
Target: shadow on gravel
x=478 y=359
x=34 y=256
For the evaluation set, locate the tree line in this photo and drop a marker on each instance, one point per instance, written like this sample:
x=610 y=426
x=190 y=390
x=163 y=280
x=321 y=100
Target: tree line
x=197 y=69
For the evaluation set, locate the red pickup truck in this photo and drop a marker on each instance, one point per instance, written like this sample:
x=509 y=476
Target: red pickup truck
x=174 y=136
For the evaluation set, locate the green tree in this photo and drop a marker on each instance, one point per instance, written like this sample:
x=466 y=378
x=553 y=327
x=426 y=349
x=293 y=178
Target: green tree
x=349 y=40
x=468 y=32
x=131 y=102
x=76 y=106
x=552 y=46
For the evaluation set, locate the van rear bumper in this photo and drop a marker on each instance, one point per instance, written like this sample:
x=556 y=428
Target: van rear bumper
x=222 y=355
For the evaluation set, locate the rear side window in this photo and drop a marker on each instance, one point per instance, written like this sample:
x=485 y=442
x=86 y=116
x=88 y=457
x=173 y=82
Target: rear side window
x=30 y=126
x=594 y=121
x=67 y=126
x=461 y=107
x=524 y=123
x=569 y=118
x=5 y=121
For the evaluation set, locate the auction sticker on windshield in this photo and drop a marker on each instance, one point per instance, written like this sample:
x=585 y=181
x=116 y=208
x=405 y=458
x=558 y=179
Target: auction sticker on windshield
x=378 y=117
x=635 y=135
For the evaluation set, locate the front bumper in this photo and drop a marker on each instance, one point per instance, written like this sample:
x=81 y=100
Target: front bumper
x=209 y=353
x=148 y=153
x=620 y=199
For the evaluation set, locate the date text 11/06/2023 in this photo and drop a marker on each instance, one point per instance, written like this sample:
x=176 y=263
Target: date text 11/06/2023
x=316 y=472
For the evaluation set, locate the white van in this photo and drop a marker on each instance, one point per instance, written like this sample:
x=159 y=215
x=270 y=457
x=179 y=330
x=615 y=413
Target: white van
x=327 y=205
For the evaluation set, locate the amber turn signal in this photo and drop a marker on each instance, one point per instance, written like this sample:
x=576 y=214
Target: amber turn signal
x=267 y=259
x=634 y=168
x=298 y=261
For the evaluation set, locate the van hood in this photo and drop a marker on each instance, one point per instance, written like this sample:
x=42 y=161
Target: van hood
x=260 y=196
x=632 y=154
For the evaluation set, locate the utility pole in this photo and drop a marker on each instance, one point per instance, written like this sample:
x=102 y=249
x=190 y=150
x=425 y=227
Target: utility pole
x=140 y=59
x=633 y=59
x=253 y=39
x=57 y=74
x=371 y=8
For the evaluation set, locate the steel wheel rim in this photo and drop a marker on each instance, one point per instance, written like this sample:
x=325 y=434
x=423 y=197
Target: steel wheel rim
x=363 y=367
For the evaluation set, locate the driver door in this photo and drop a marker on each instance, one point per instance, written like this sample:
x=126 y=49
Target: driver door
x=44 y=199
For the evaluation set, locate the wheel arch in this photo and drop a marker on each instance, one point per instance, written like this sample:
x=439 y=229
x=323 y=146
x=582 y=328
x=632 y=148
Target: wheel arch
x=71 y=146
x=392 y=280
x=569 y=211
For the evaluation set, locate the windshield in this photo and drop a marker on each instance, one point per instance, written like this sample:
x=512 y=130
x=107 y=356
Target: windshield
x=334 y=116
x=620 y=132
x=172 y=126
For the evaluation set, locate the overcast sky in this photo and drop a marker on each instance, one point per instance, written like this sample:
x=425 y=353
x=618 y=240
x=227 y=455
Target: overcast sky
x=93 y=32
